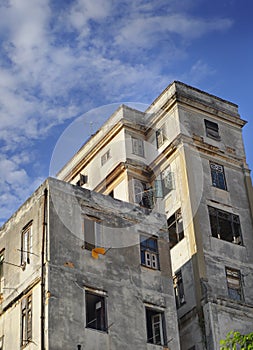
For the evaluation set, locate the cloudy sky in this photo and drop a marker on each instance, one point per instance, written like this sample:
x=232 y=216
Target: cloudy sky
x=62 y=58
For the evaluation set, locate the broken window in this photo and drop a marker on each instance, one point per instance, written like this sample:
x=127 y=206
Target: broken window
x=155 y=326
x=175 y=228
x=212 y=130
x=161 y=136
x=93 y=232
x=179 y=289
x=26 y=244
x=137 y=147
x=234 y=283
x=149 y=252
x=26 y=320
x=225 y=226
x=1 y=271
x=143 y=195
x=165 y=184
x=95 y=311
x=218 y=176
x=105 y=157
x=83 y=179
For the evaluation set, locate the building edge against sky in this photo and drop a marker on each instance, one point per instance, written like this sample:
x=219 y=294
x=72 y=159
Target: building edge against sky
x=182 y=160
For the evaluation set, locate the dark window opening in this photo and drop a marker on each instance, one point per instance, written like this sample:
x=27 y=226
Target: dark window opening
x=111 y=194
x=95 y=311
x=212 y=130
x=143 y=195
x=83 y=179
x=26 y=239
x=155 y=327
x=179 y=289
x=225 y=226
x=149 y=252
x=175 y=228
x=234 y=284
x=218 y=176
x=26 y=320
x=93 y=228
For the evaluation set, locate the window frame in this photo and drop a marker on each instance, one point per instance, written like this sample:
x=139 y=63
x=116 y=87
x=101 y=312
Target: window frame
x=105 y=157
x=151 y=313
x=2 y=255
x=26 y=244
x=160 y=136
x=26 y=320
x=102 y=324
x=174 y=224
x=149 y=252
x=95 y=239
x=218 y=176
x=143 y=194
x=235 y=276
x=217 y=218
x=138 y=146
x=212 y=130
x=179 y=289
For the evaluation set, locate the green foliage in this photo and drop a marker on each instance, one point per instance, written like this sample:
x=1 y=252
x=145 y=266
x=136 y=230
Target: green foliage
x=237 y=341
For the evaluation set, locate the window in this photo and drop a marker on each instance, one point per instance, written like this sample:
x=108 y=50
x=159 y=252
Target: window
x=149 y=252
x=26 y=320
x=212 y=130
x=95 y=311
x=155 y=326
x=137 y=147
x=161 y=136
x=105 y=157
x=175 y=228
x=225 y=226
x=234 y=283
x=218 y=176
x=26 y=243
x=143 y=195
x=179 y=289
x=93 y=231
x=2 y=342
x=165 y=185
x=83 y=179
x=1 y=272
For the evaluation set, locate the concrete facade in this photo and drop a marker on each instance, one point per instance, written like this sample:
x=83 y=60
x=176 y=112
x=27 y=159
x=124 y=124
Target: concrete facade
x=193 y=140
x=64 y=287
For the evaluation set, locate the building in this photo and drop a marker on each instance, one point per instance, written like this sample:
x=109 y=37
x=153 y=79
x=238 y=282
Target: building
x=184 y=157
x=145 y=239
x=61 y=290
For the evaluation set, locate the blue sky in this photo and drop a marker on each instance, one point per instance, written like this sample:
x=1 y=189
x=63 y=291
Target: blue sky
x=62 y=58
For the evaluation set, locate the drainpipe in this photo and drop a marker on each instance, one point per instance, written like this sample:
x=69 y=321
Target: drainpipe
x=44 y=228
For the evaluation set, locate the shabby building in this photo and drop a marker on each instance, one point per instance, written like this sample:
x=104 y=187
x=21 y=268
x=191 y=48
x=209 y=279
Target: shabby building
x=144 y=240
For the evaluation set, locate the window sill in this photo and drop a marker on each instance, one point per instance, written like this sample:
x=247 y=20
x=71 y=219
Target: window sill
x=150 y=268
x=97 y=330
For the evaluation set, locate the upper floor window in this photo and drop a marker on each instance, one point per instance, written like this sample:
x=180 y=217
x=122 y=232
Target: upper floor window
x=149 y=252
x=96 y=311
x=26 y=320
x=26 y=244
x=105 y=157
x=93 y=230
x=155 y=326
x=1 y=271
x=83 y=179
x=137 y=146
x=212 y=130
x=161 y=136
x=218 y=176
x=175 y=228
x=234 y=283
x=179 y=289
x=143 y=194
x=165 y=184
x=225 y=226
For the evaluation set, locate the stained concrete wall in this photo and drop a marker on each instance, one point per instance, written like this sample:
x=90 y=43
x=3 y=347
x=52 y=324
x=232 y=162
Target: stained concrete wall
x=128 y=285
